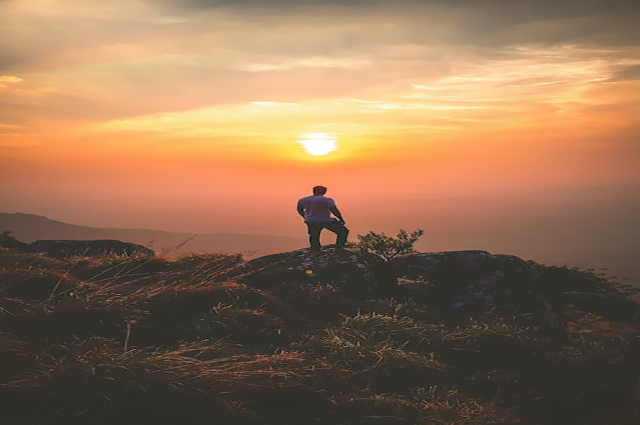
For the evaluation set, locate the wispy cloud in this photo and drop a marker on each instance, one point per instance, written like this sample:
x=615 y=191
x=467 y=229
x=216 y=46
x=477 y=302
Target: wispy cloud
x=6 y=80
x=274 y=104
x=312 y=62
x=403 y=61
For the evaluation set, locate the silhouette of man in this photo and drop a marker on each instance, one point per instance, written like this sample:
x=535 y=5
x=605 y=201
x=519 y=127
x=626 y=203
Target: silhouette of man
x=316 y=211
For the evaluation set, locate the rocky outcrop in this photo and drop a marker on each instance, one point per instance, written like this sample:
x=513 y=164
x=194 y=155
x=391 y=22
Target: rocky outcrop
x=349 y=268
x=67 y=248
x=456 y=283
x=476 y=282
x=455 y=265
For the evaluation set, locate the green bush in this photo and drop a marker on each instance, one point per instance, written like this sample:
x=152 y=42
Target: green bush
x=389 y=247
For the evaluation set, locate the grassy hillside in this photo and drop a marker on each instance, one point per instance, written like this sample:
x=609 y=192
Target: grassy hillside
x=146 y=340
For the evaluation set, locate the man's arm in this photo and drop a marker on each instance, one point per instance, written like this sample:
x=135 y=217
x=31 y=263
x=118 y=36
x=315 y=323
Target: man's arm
x=300 y=209
x=336 y=212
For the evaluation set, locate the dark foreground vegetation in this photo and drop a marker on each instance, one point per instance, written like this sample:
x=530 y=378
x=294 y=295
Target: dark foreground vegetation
x=302 y=338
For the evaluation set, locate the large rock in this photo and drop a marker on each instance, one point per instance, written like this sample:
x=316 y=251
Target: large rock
x=455 y=265
x=477 y=282
x=67 y=248
x=348 y=268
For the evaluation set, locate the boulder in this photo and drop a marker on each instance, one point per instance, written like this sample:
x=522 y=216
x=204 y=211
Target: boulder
x=455 y=265
x=67 y=248
x=476 y=282
x=349 y=268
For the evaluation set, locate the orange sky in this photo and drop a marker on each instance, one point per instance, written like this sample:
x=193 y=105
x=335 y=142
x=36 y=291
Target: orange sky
x=517 y=118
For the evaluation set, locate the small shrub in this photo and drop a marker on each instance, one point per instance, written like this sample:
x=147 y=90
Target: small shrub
x=389 y=247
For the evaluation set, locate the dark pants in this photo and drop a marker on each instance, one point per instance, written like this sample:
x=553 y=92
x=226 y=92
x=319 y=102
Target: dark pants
x=339 y=229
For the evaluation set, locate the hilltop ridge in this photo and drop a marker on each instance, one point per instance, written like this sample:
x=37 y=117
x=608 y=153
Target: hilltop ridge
x=337 y=337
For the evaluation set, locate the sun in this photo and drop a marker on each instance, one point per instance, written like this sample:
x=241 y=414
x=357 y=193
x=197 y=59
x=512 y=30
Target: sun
x=318 y=144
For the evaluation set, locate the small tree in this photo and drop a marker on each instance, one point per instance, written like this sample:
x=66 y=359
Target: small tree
x=389 y=247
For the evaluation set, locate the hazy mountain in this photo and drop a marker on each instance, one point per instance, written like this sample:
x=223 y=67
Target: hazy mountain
x=31 y=227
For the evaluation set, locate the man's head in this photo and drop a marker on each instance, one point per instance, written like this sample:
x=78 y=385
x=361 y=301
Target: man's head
x=319 y=190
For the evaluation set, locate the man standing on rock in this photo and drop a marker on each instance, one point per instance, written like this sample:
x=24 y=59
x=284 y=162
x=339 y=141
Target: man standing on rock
x=316 y=211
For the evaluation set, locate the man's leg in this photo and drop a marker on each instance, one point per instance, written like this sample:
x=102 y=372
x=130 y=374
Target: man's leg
x=340 y=230
x=314 y=234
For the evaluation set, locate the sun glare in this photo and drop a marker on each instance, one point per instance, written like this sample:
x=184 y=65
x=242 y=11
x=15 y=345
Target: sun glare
x=319 y=144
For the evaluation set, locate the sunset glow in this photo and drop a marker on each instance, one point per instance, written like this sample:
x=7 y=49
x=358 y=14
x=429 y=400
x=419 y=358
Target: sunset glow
x=473 y=120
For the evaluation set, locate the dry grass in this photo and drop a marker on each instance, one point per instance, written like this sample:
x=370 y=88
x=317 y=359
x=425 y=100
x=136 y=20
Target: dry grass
x=37 y=284
x=94 y=382
x=133 y=340
x=426 y=406
x=384 y=365
x=403 y=329
x=16 y=260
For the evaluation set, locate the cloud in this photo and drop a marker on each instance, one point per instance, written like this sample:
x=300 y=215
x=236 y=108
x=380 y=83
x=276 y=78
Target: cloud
x=310 y=62
x=6 y=80
x=630 y=72
x=58 y=32
x=518 y=88
x=485 y=22
x=274 y=104
x=9 y=79
x=87 y=62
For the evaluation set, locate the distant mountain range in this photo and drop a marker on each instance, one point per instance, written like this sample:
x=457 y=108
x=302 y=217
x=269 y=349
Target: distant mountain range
x=31 y=227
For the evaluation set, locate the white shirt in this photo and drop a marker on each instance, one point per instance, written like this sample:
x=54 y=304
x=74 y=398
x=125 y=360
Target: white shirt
x=317 y=209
